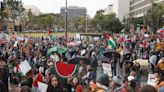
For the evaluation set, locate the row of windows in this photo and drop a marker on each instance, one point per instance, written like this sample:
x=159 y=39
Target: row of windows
x=132 y=2
x=140 y=11
x=145 y=2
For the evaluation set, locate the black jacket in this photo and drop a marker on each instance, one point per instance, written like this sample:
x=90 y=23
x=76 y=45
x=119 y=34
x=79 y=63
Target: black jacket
x=4 y=76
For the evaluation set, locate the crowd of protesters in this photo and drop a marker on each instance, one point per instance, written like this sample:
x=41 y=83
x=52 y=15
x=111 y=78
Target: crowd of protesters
x=34 y=50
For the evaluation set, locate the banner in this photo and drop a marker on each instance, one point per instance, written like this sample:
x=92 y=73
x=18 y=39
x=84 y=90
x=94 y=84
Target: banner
x=107 y=69
x=73 y=43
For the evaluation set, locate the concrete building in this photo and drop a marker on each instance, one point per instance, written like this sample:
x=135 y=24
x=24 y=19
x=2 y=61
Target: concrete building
x=132 y=8
x=35 y=10
x=139 y=7
x=108 y=9
x=73 y=11
x=121 y=8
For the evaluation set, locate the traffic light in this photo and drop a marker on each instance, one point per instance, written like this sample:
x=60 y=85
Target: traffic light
x=2 y=6
x=15 y=28
x=20 y=28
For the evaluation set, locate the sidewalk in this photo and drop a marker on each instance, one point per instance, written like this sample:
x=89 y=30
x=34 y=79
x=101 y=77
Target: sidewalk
x=12 y=88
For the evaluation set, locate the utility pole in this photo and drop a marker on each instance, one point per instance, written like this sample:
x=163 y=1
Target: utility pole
x=66 y=21
x=86 y=22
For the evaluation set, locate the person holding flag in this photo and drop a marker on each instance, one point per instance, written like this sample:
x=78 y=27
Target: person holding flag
x=110 y=41
x=113 y=59
x=50 y=35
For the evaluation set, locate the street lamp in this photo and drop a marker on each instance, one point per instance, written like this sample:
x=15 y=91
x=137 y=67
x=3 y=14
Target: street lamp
x=124 y=21
x=66 y=11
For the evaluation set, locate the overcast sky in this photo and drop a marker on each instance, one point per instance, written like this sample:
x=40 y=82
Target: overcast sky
x=54 y=6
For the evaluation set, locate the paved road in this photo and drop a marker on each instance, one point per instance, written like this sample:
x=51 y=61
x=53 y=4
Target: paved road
x=12 y=88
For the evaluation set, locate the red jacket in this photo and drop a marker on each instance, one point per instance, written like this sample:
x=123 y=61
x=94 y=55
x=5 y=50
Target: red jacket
x=38 y=79
x=79 y=88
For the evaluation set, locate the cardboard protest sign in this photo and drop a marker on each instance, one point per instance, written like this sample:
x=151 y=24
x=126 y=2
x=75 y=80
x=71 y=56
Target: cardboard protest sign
x=142 y=62
x=151 y=80
x=25 y=67
x=107 y=69
x=42 y=87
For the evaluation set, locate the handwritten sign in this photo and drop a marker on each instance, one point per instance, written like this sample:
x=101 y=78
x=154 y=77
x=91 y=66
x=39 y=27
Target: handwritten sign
x=25 y=67
x=42 y=87
x=151 y=80
x=107 y=69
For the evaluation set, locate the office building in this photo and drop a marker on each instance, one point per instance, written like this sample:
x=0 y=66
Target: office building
x=132 y=8
x=121 y=8
x=35 y=10
x=139 y=7
x=73 y=11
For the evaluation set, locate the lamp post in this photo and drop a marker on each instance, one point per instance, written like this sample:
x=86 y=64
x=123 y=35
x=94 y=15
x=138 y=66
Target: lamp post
x=124 y=20
x=66 y=11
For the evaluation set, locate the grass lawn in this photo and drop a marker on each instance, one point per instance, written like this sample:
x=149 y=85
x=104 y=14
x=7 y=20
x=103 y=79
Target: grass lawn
x=46 y=35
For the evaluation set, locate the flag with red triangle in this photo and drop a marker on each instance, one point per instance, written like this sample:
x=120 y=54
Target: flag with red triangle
x=110 y=41
x=50 y=34
x=122 y=39
x=49 y=31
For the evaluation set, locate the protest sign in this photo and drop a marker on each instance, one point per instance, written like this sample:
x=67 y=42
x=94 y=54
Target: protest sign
x=4 y=38
x=146 y=35
x=25 y=67
x=151 y=80
x=107 y=69
x=142 y=62
x=42 y=87
x=16 y=43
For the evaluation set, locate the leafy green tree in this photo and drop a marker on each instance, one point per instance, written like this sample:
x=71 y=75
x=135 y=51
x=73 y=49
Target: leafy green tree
x=15 y=9
x=154 y=17
x=43 y=21
x=97 y=21
x=132 y=21
x=112 y=24
x=78 y=23
x=106 y=22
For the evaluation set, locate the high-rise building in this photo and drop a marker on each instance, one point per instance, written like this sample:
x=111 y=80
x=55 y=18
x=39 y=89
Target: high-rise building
x=108 y=9
x=73 y=11
x=132 y=8
x=35 y=10
x=139 y=7
x=121 y=8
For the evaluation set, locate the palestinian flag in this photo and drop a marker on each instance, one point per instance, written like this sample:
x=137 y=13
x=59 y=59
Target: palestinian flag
x=50 y=35
x=49 y=31
x=63 y=71
x=110 y=41
x=52 y=38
